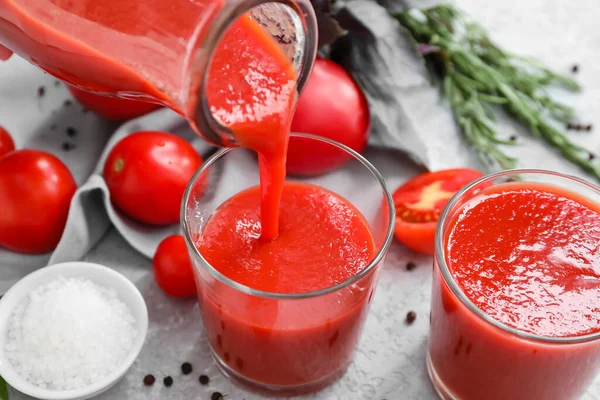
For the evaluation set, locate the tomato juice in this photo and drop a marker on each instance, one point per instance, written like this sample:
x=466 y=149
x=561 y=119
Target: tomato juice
x=526 y=256
x=323 y=241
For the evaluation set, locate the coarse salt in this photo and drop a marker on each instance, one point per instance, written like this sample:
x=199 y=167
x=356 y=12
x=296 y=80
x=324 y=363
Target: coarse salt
x=69 y=333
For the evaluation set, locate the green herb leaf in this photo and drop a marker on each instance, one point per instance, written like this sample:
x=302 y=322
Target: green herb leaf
x=3 y=389
x=478 y=74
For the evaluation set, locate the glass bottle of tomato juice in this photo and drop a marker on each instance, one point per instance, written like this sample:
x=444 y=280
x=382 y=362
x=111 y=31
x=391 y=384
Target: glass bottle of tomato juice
x=155 y=50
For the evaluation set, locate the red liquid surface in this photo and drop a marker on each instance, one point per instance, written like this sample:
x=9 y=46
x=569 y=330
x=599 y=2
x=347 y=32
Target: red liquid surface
x=528 y=256
x=323 y=240
x=530 y=259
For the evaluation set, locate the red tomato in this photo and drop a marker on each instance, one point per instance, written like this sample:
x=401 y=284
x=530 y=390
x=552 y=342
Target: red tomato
x=6 y=142
x=112 y=107
x=172 y=268
x=332 y=105
x=420 y=201
x=147 y=173
x=36 y=189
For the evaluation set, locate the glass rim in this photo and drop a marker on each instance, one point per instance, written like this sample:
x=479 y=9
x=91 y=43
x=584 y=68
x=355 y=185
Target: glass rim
x=292 y=296
x=440 y=257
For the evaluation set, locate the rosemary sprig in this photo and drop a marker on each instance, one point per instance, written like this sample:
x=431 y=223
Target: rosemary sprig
x=478 y=75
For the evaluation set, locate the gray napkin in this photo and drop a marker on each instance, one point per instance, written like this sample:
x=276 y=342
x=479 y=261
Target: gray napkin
x=92 y=212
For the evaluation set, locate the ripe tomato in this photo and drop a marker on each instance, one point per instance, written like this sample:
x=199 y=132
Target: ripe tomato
x=112 y=107
x=420 y=201
x=332 y=105
x=147 y=173
x=172 y=268
x=35 y=194
x=6 y=142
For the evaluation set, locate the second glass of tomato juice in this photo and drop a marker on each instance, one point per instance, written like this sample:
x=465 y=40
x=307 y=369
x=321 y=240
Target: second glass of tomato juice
x=515 y=310
x=284 y=316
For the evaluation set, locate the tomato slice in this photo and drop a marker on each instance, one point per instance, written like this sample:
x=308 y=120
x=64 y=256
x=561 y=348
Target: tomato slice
x=420 y=201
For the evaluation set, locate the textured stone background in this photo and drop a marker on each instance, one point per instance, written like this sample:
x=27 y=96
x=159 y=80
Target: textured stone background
x=389 y=363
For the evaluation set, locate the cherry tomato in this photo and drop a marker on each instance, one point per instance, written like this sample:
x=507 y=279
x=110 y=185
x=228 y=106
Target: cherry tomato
x=172 y=268
x=111 y=107
x=147 y=173
x=332 y=105
x=6 y=142
x=420 y=201
x=36 y=189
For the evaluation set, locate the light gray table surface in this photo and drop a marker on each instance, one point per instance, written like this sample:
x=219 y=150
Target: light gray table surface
x=389 y=363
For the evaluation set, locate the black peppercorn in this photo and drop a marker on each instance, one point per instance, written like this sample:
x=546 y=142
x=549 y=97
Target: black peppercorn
x=203 y=380
x=149 y=380
x=575 y=68
x=168 y=381
x=68 y=103
x=217 y=396
x=513 y=138
x=410 y=266
x=186 y=368
x=411 y=317
x=41 y=91
x=591 y=156
x=71 y=131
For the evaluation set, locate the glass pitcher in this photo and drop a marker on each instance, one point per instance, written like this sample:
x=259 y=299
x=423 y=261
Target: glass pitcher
x=152 y=50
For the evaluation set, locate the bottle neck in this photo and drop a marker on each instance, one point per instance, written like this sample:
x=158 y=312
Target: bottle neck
x=289 y=25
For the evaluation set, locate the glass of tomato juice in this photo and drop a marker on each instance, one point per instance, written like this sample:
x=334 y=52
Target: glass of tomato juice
x=291 y=324
x=515 y=310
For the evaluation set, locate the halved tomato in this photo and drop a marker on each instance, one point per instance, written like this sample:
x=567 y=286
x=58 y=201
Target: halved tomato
x=420 y=201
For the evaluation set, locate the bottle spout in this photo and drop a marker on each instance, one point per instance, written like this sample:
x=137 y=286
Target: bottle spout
x=246 y=64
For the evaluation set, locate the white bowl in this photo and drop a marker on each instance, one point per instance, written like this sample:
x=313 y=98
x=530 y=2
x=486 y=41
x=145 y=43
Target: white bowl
x=98 y=274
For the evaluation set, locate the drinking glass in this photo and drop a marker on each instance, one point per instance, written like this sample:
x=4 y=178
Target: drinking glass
x=473 y=356
x=255 y=336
